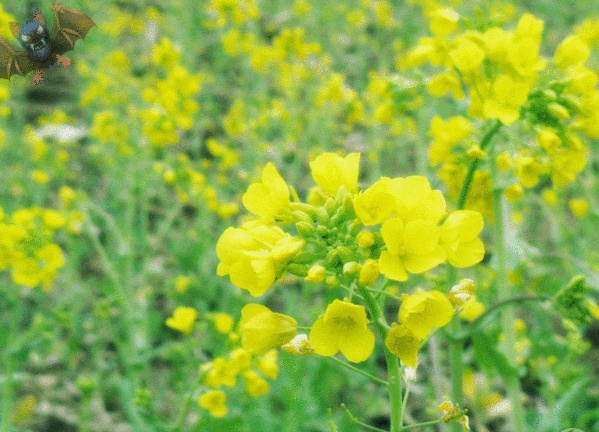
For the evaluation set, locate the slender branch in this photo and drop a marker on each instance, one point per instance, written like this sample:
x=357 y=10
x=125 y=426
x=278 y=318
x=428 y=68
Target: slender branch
x=361 y=372
x=474 y=164
x=434 y=422
x=393 y=368
x=355 y=420
x=478 y=321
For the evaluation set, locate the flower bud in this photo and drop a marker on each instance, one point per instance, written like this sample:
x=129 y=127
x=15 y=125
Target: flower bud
x=316 y=274
x=351 y=268
x=475 y=152
x=299 y=345
x=461 y=292
x=369 y=273
x=297 y=269
x=322 y=216
x=305 y=229
x=558 y=111
x=331 y=206
x=331 y=281
x=365 y=239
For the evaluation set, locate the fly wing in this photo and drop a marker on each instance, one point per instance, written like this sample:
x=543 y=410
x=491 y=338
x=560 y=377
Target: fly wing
x=13 y=61
x=69 y=26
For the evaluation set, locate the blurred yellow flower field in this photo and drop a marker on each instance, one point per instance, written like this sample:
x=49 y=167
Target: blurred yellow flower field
x=300 y=215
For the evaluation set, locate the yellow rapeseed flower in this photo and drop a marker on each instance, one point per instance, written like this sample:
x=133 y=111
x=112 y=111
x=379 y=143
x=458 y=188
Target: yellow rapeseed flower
x=182 y=319
x=423 y=311
x=261 y=329
x=343 y=327
x=215 y=402
x=331 y=171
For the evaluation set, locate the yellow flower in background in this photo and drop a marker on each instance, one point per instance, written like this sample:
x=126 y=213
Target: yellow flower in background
x=267 y=364
x=182 y=319
x=446 y=135
x=423 y=311
x=443 y=21
x=447 y=82
x=572 y=51
x=404 y=343
x=182 y=283
x=252 y=256
x=214 y=401
x=508 y=96
x=467 y=55
x=529 y=169
x=343 y=327
x=268 y=198
x=331 y=171
x=222 y=321
x=459 y=238
x=261 y=329
x=255 y=385
x=579 y=206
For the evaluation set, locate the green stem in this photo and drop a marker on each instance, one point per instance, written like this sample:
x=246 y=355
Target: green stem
x=507 y=314
x=517 y=299
x=484 y=142
x=456 y=345
x=7 y=387
x=358 y=422
x=393 y=369
x=361 y=372
x=435 y=422
x=456 y=348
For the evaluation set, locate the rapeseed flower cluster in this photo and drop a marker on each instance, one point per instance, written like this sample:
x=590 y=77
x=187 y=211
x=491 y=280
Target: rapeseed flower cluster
x=503 y=77
x=252 y=363
x=334 y=242
x=27 y=248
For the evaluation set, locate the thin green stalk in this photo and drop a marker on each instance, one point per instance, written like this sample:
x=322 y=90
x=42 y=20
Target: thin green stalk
x=484 y=142
x=499 y=305
x=435 y=422
x=456 y=345
x=361 y=372
x=7 y=387
x=456 y=348
x=393 y=369
x=507 y=314
x=358 y=422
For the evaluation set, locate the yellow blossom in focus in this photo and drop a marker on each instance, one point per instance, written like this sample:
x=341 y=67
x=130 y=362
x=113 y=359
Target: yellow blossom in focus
x=423 y=311
x=343 y=327
x=253 y=256
x=403 y=342
x=269 y=197
x=261 y=329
